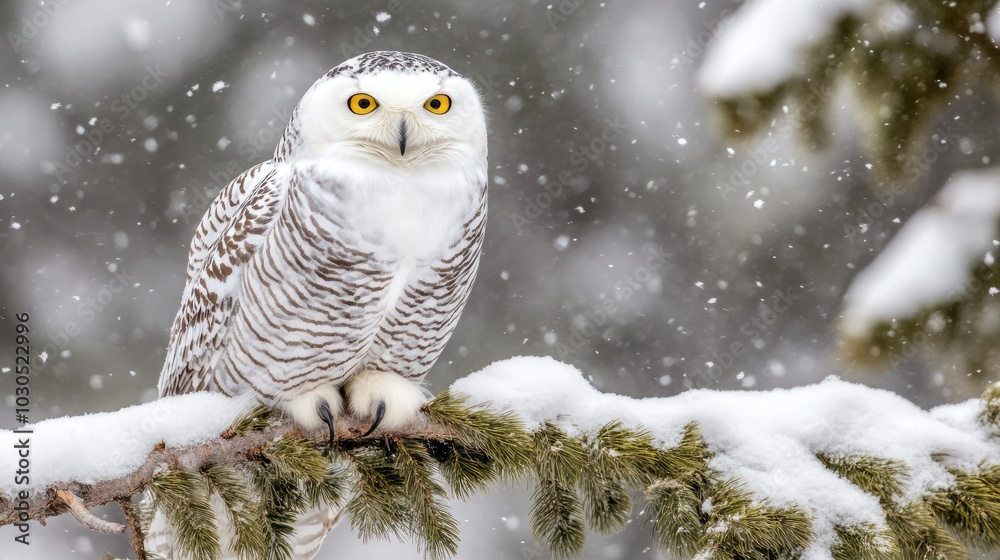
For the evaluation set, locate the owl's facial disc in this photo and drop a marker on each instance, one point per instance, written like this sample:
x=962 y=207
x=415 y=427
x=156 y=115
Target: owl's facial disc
x=395 y=119
x=401 y=118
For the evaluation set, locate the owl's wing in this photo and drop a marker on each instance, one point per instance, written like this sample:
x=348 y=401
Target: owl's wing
x=230 y=232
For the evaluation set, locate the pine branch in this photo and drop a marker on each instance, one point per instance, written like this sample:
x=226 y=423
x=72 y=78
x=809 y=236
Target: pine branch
x=237 y=449
x=433 y=524
x=557 y=513
x=87 y=519
x=136 y=527
x=185 y=498
x=243 y=513
x=245 y=489
x=864 y=541
x=379 y=509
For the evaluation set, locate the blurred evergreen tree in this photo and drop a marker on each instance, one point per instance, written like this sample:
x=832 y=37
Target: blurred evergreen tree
x=903 y=63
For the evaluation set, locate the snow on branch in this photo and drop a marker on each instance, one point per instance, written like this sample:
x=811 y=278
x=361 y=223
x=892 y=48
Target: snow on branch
x=931 y=261
x=761 y=48
x=778 y=445
x=65 y=459
x=834 y=470
x=937 y=275
x=775 y=66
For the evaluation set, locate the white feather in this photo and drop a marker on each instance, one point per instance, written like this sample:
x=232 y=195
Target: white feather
x=303 y=407
x=402 y=398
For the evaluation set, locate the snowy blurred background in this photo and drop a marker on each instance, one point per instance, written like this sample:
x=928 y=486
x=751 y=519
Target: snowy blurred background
x=620 y=239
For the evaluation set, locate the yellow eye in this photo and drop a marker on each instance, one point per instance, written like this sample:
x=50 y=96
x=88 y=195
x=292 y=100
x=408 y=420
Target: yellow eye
x=439 y=104
x=362 y=104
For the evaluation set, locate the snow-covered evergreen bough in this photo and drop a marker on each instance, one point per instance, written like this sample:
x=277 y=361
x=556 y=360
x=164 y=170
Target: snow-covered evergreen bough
x=834 y=470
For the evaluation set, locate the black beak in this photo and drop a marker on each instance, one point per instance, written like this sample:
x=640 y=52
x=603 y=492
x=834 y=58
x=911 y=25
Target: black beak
x=402 y=136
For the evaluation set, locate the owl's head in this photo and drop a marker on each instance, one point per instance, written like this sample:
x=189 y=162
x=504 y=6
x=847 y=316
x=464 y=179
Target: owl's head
x=394 y=109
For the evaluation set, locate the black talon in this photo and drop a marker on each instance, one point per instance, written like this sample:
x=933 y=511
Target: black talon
x=326 y=416
x=379 y=413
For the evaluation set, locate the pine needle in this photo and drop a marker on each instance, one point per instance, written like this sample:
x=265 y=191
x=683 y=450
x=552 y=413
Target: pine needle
x=499 y=435
x=294 y=458
x=914 y=529
x=617 y=457
x=558 y=456
x=556 y=518
x=432 y=522
x=282 y=500
x=864 y=541
x=556 y=512
x=244 y=511
x=466 y=470
x=738 y=528
x=674 y=507
x=882 y=478
x=695 y=514
x=690 y=455
x=971 y=507
x=606 y=502
x=183 y=498
x=335 y=487
x=253 y=420
x=379 y=509
x=920 y=537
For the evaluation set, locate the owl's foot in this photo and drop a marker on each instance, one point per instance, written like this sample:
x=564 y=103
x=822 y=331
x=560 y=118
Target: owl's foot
x=315 y=409
x=379 y=415
x=327 y=416
x=388 y=399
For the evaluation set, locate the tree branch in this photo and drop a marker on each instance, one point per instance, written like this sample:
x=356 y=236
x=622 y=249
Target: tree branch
x=136 y=531
x=41 y=504
x=85 y=517
x=908 y=480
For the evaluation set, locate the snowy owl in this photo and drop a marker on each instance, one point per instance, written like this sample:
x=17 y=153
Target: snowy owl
x=345 y=260
x=341 y=265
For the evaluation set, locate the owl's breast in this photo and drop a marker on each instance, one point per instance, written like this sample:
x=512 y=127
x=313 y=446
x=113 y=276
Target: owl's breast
x=412 y=215
x=350 y=277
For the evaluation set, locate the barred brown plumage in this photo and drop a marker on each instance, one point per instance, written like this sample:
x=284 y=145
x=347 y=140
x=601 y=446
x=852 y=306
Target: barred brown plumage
x=346 y=259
